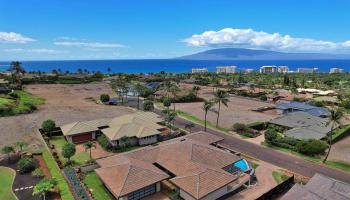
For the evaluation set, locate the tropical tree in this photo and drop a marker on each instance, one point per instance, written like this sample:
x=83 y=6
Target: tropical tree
x=17 y=71
x=207 y=105
x=140 y=89
x=48 y=126
x=88 y=146
x=336 y=115
x=8 y=150
x=43 y=187
x=68 y=150
x=189 y=127
x=20 y=145
x=148 y=105
x=220 y=97
x=196 y=89
x=167 y=104
x=174 y=90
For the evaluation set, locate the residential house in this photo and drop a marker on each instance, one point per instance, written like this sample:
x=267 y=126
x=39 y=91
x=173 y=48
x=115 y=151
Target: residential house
x=289 y=107
x=319 y=187
x=190 y=164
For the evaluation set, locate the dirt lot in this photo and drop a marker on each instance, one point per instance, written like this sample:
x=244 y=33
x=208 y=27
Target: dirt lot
x=239 y=110
x=341 y=150
x=64 y=104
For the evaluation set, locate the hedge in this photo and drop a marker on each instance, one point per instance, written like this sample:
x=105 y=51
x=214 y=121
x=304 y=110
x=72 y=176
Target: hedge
x=257 y=125
x=341 y=133
x=56 y=174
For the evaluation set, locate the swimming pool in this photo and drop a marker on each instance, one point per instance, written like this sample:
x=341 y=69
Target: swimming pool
x=242 y=164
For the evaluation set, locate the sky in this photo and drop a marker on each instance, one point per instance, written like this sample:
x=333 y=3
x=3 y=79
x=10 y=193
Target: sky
x=140 y=29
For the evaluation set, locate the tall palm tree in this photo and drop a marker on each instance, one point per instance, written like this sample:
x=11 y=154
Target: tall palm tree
x=174 y=89
x=88 y=146
x=220 y=97
x=336 y=115
x=207 y=105
x=196 y=89
x=17 y=71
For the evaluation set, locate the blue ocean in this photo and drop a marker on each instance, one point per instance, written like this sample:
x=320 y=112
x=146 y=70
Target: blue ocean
x=171 y=65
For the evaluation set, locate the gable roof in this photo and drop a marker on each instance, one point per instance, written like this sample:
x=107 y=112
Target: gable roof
x=129 y=175
x=320 y=187
x=197 y=167
x=140 y=124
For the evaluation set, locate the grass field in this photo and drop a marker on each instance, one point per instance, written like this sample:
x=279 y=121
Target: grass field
x=56 y=174
x=7 y=176
x=25 y=103
x=94 y=184
x=78 y=158
x=279 y=177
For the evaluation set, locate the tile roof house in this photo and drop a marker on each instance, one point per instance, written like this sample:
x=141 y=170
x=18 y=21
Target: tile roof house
x=285 y=108
x=303 y=125
x=189 y=163
x=320 y=187
x=141 y=128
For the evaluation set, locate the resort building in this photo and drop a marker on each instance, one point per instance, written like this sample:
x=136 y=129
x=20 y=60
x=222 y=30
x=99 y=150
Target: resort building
x=199 y=70
x=226 y=69
x=304 y=126
x=336 y=70
x=274 y=69
x=189 y=164
x=248 y=70
x=141 y=128
x=319 y=187
x=307 y=70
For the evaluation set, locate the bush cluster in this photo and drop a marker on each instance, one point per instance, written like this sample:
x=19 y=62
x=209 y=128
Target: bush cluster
x=148 y=105
x=75 y=183
x=26 y=164
x=244 y=130
x=103 y=141
x=104 y=98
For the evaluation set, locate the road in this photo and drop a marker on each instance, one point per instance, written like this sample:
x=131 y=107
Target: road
x=283 y=160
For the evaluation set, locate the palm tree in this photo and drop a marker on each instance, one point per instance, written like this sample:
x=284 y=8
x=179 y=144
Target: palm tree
x=88 y=146
x=17 y=71
x=207 y=105
x=220 y=97
x=44 y=186
x=174 y=89
x=196 y=89
x=336 y=115
x=140 y=89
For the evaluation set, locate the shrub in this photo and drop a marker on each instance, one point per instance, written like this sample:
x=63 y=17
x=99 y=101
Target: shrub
x=166 y=102
x=263 y=97
x=75 y=183
x=257 y=126
x=311 y=147
x=271 y=135
x=104 y=98
x=239 y=127
x=103 y=141
x=14 y=95
x=38 y=173
x=148 y=105
x=26 y=164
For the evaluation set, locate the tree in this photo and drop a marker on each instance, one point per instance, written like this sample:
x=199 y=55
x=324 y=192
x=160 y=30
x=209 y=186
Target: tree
x=167 y=103
x=44 y=186
x=336 y=115
x=148 y=105
x=88 y=146
x=68 y=150
x=207 y=105
x=104 y=98
x=140 y=89
x=189 y=127
x=220 y=97
x=8 y=150
x=17 y=71
x=174 y=89
x=196 y=89
x=21 y=145
x=48 y=126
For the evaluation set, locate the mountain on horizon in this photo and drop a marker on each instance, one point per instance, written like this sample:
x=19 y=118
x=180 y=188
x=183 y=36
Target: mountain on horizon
x=252 y=54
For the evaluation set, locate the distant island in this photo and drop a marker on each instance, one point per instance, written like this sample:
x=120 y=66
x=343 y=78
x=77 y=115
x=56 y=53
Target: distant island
x=252 y=54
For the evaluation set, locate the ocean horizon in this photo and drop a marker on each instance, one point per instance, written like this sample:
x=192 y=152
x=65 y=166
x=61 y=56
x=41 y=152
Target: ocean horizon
x=170 y=65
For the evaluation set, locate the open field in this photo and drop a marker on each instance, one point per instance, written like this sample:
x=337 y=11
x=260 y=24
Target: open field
x=239 y=110
x=64 y=104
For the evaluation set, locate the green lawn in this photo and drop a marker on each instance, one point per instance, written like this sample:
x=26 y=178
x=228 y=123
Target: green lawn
x=56 y=174
x=97 y=188
x=5 y=101
x=279 y=177
x=7 y=176
x=78 y=158
x=26 y=98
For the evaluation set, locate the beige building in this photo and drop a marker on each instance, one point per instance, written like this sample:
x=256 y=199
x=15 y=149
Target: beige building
x=190 y=164
x=226 y=69
x=199 y=70
x=274 y=69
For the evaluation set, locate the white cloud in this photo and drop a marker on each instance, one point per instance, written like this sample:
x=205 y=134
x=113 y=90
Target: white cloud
x=40 y=51
x=86 y=44
x=249 y=38
x=12 y=37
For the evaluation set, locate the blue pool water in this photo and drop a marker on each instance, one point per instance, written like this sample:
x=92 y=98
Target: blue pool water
x=242 y=164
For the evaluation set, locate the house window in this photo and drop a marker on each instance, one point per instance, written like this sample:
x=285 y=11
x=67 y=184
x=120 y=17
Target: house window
x=139 y=194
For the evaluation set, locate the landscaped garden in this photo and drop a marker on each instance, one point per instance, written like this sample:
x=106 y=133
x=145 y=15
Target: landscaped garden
x=96 y=187
x=7 y=176
x=79 y=158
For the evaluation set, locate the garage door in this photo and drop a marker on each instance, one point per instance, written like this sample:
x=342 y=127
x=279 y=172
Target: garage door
x=139 y=194
x=82 y=138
